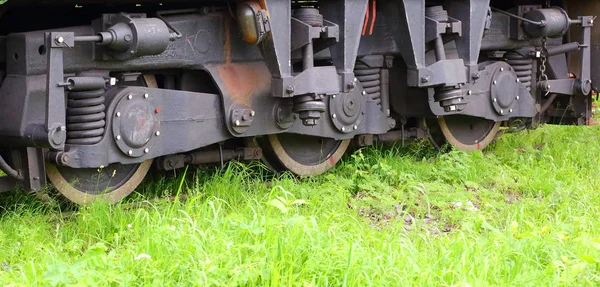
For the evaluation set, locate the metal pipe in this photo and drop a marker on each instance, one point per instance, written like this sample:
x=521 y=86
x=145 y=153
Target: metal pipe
x=9 y=170
x=96 y=38
x=563 y=49
x=540 y=24
x=548 y=103
x=308 y=57
x=440 y=54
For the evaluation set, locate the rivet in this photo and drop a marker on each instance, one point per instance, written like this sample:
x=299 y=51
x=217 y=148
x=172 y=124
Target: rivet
x=118 y=137
x=252 y=113
x=355 y=127
x=237 y=123
x=334 y=116
x=129 y=97
x=60 y=40
x=518 y=81
x=501 y=69
x=355 y=79
x=495 y=100
x=469 y=93
x=146 y=150
x=157 y=133
x=343 y=129
x=518 y=97
x=501 y=112
x=333 y=96
x=130 y=152
x=364 y=93
x=495 y=82
x=118 y=114
x=145 y=96
x=510 y=110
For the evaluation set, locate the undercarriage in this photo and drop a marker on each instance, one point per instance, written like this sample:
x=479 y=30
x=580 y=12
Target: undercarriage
x=95 y=94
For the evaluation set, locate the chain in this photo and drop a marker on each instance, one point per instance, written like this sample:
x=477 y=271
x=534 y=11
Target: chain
x=544 y=52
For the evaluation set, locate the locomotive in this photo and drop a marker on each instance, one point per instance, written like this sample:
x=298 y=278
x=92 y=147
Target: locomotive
x=95 y=93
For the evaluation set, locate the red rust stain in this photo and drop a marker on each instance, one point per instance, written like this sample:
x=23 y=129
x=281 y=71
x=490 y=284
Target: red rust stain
x=331 y=160
x=478 y=146
x=227 y=38
x=243 y=81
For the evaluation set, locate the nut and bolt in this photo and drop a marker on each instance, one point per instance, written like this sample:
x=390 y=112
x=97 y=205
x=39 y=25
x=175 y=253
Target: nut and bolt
x=425 y=79
x=60 y=39
x=290 y=89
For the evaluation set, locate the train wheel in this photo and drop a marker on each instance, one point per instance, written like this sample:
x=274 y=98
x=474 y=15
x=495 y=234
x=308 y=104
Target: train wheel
x=301 y=154
x=110 y=184
x=462 y=132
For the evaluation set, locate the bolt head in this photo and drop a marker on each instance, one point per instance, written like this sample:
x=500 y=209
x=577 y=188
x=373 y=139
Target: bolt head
x=146 y=150
x=252 y=113
x=129 y=97
x=113 y=81
x=334 y=116
x=118 y=114
x=118 y=137
x=501 y=69
x=469 y=93
x=130 y=152
x=355 y=127
x=518 y=97
x=333 y=96
x=290 y=89
x=355 y=79
x=518 y=80
x=510 y=110
x=146 y=96
x=157 y=133
x=364 y=93
x=343 y=129
x=501 y=112
x=60 y=39
x=495 y=82
x=495 y=100
x=237 y=123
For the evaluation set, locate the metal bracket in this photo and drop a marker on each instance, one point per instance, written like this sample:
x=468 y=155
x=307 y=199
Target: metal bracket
x=55 y=105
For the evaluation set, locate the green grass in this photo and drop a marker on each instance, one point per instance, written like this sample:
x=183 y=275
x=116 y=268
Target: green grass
x=523 y=213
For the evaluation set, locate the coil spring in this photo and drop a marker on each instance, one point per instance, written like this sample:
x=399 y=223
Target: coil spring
x=370 y=78
x=450 y=98
x=523 y=68
x=85 y=111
